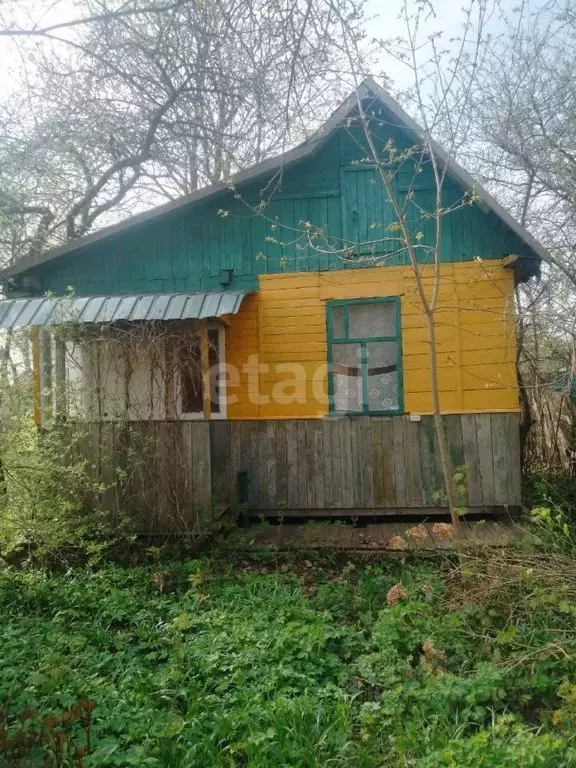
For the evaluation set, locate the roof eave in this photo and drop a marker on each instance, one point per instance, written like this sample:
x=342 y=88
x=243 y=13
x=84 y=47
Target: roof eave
x=276 y=163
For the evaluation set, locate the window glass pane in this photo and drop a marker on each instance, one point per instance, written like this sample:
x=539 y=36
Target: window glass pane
x=338 y=322
x=382 y=376
x=369 y=320
x=347 y=368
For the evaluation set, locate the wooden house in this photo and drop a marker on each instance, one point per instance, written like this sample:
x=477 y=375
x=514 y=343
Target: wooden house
x=310 y=391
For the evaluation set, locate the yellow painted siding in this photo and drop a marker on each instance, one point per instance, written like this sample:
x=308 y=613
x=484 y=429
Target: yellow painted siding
x=241 y=347
x=277 y=342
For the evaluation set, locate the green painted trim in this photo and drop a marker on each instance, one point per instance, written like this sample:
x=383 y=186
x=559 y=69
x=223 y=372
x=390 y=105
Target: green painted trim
x=416 y=186
x=331 y=341
x=280 y=196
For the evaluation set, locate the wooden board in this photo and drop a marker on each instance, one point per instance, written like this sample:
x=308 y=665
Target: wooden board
x=388 y=463
x=399 y=464
x=485 y=457
x=470 y=451
x=353 y=466
x=499 y=428
x=220 y=460
x=513 y=449
x=368 y=462
x=414 y=496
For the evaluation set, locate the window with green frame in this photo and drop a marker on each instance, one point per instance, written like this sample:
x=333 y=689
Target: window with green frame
x=364 y=356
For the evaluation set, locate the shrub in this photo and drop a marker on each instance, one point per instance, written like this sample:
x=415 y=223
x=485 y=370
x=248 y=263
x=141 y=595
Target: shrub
x=52 y=501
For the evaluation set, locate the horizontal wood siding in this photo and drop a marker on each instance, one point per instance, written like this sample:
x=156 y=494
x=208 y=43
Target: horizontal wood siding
x=283 y=330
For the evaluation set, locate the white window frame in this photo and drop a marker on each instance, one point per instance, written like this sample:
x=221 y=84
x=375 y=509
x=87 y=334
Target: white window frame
x=199 y=416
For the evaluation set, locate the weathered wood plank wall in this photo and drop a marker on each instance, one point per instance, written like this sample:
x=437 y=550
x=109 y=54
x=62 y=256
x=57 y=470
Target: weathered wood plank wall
x=169 y=474
x=160 y=472
x=371 y=463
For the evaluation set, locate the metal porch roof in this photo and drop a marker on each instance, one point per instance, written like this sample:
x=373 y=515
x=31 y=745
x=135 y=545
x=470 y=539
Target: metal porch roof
x=109 y=309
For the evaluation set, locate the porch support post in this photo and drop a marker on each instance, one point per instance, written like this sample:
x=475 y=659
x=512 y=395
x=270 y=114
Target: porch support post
x=60 y=378
x=205 y=361
x=42 y=372
x=36 y=376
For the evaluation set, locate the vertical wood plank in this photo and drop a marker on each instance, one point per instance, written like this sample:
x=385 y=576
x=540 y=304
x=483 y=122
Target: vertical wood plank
x=201 y=469
x=310 y=466
x=378 y=461
x=318 y=450
x=60 y=392
x=327 y=456
x=514 y=475
x=367 y=462
x=271 y=469
x=134 y=486
x=245 y=456
x=220 y=460
x=432 y=491
x=456 y=448
x=182 y=503
x=46 y=374
x=485 y=458
x=148 y=474
x=346 y=463
x=186 y=463
x=281 y=466
x=123 y=451
x=179 y=509
x=499 y=425
x=301 y=464
x=338 y=479
x=399 y=464
x=388 y=462
x=264 y=498
x=357 y=461
x=470 y=451
x=253 y=440
x=292 y=461
x=164 y=455
x=106 y=463
x=412 y=459
x=235 y=443
x=453 y=427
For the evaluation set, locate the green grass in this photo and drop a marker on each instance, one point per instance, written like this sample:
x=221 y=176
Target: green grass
x=267 y=664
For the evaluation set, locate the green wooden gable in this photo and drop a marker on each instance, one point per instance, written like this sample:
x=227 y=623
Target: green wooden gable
x=333 y=198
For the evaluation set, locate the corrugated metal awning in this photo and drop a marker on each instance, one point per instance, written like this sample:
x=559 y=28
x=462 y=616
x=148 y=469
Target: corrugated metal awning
x=109 y=309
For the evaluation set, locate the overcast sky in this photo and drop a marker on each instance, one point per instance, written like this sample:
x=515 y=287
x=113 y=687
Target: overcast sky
x=383 y=23
x=448 y=20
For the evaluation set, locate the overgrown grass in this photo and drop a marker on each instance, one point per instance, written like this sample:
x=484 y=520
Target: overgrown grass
x=287 y=663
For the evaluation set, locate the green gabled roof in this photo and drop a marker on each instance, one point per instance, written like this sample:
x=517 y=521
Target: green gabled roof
x=525 y=267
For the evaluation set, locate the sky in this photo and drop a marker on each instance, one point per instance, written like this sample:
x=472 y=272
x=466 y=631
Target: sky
x=449 y=18
x=383 y=22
